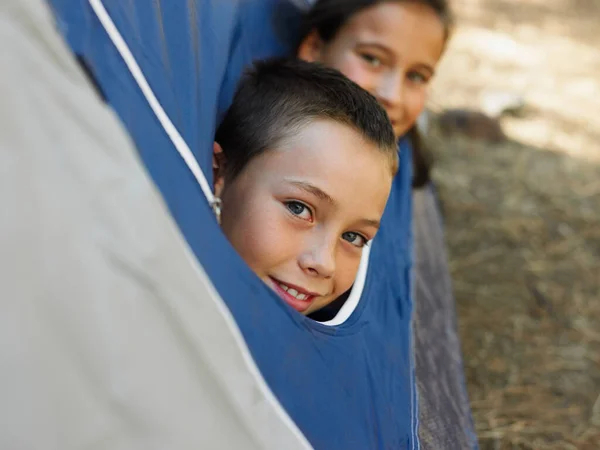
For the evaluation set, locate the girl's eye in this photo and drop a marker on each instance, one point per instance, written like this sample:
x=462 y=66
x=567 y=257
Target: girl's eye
x=418 y=78
x=355 y=239
x=372 y=60
x=299 y=209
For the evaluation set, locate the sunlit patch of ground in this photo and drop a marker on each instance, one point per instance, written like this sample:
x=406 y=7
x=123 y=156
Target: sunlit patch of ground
x=547 y=51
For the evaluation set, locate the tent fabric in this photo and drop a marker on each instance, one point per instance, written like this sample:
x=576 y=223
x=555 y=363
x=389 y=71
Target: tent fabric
x=348 y=386
x=111 y=335
x=445 y=415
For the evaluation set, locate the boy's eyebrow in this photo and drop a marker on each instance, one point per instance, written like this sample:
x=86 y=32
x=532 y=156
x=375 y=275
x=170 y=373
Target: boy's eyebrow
x=370 y=222
x=314 y=190
x=321 y=194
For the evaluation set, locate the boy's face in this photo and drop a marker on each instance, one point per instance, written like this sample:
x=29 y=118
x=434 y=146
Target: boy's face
x=299 y=215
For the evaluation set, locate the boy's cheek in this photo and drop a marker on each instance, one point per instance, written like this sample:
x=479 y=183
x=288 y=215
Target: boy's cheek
x=263 y=239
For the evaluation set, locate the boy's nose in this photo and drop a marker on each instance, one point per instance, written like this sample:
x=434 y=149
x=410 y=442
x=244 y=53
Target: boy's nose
x=319 y=259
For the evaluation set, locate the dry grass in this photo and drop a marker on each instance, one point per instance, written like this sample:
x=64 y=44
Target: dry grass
x=523 y=222
x=524 y=241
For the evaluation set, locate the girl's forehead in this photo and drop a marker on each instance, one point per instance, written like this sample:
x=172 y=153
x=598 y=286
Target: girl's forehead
x=398 y=26
x=395 y=16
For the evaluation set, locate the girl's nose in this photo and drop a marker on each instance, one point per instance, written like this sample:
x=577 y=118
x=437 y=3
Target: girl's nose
x=389 y=90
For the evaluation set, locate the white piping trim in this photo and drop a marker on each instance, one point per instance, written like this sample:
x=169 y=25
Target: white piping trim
x=136 y=71
x=352 y=302
x=185 y=152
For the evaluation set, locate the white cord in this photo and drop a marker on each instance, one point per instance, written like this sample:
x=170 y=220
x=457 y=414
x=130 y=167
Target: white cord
x=134 y=68
x=355 y=294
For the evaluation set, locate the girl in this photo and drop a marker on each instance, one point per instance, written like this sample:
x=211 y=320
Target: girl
x=389 y=48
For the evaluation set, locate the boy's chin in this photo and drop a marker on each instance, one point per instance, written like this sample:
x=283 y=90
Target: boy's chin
x=317 y=307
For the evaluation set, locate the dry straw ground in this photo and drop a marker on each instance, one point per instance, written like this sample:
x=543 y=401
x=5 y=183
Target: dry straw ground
x=523 y=220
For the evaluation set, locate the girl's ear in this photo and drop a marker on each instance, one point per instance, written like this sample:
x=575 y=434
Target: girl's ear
x=311 y=47
x=219 y=164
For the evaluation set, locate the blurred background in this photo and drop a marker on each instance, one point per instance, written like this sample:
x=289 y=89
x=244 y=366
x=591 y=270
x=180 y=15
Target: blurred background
x=520 y=194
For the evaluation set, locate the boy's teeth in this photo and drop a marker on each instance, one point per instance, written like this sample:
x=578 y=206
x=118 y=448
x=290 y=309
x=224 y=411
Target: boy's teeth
x=293 y=292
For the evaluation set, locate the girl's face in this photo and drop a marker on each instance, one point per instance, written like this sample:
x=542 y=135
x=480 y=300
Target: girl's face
x=300 y=215
x=391 y=50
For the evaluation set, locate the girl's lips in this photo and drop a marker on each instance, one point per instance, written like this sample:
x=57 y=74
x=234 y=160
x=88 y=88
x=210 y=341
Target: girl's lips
x=297 y=304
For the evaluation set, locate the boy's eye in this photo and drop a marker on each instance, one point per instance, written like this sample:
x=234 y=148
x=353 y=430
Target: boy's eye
x=299 y=209
x=355 y=239
x=372 y=60
x=418 y=78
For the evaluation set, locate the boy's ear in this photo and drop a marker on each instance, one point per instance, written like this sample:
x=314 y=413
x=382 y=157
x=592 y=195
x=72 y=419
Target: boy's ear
x=311 y=47
x=218 y=169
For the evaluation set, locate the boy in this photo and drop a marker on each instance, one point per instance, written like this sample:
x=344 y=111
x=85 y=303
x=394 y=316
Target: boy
x=304 y=161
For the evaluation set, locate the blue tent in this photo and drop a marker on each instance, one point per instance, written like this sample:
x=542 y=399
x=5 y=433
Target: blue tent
x=169 y=70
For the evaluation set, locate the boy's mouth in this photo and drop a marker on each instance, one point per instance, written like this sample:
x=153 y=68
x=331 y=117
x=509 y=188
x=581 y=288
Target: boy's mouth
x=298 y=298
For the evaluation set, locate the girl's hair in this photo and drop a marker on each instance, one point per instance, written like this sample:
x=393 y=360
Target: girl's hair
x=328 y=16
